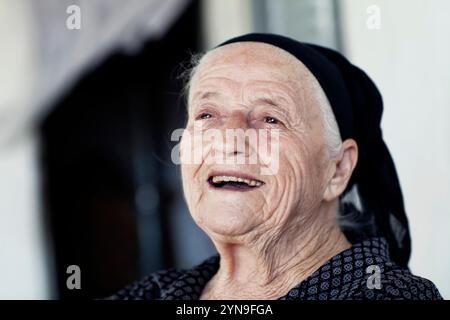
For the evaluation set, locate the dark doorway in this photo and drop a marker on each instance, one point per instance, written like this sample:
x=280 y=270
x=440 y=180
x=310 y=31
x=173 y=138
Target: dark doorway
x=106 y=152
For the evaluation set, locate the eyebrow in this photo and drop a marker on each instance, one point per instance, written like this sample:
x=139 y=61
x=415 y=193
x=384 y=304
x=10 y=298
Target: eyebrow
x=274 y=100
x=268 y=101
x=206 y=95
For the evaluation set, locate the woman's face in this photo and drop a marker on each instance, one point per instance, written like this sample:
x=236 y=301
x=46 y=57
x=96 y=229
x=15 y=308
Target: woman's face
x=257 y=88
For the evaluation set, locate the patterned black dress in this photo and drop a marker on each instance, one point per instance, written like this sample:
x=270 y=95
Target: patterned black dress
x=349 y=275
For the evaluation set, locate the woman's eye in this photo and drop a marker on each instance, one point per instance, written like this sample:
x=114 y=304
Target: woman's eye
x=270 y=120
x=204 y=115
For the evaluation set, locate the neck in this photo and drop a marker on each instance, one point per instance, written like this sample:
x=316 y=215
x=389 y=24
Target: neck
x=267 y=266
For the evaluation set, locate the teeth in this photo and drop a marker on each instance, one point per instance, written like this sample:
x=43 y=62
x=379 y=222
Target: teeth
x=252 y=183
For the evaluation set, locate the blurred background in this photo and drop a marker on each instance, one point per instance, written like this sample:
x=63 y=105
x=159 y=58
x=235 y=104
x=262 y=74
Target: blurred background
x=89 y=97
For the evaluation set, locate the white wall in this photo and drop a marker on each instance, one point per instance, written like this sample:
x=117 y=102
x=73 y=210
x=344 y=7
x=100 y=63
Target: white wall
x=23 y=255
x=223 y=20
x=409 y=59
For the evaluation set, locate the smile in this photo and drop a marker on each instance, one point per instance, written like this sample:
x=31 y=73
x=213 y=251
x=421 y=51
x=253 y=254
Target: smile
x=234 y=182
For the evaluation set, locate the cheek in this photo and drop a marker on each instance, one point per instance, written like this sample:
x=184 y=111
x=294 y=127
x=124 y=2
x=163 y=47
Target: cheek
x=300 y=170
x=293 y=159
x=187 y=182
x=191 y=164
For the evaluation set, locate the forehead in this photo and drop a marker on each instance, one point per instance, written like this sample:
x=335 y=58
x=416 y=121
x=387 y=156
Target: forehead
x=250 y=62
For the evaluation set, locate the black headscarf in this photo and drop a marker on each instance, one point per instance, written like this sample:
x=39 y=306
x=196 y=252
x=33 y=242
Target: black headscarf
x=357 y=106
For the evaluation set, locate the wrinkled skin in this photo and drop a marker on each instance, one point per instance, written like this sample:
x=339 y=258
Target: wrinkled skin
x=274 y=236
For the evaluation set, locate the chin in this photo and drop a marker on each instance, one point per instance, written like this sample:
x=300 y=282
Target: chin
x=226 y=224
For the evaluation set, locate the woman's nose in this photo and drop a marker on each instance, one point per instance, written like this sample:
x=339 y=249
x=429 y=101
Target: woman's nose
x=236 y=120
x=234 y=136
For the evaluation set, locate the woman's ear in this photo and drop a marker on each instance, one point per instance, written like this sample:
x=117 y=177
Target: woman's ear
x=343 y=168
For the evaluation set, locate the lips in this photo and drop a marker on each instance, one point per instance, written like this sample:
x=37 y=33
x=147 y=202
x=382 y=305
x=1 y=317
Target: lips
x=234 y=181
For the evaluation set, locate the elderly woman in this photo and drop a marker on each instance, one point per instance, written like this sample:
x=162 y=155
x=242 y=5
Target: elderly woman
x=328 y=222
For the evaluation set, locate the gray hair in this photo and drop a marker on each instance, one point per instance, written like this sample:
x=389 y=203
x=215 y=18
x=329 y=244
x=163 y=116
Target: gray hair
x=333 y=138
x=187 y=73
